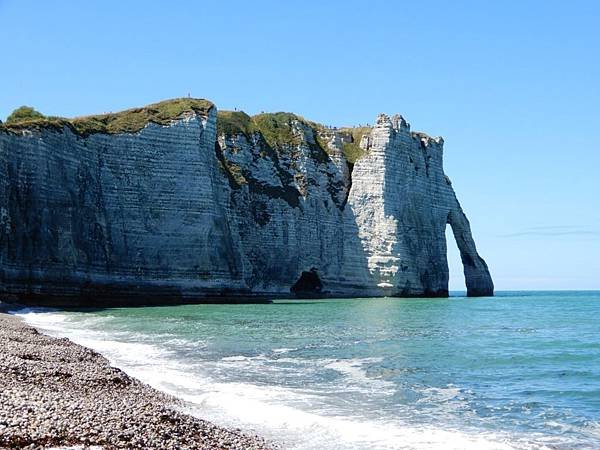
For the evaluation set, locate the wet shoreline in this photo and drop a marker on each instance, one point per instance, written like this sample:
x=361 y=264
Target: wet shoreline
x=54 y=392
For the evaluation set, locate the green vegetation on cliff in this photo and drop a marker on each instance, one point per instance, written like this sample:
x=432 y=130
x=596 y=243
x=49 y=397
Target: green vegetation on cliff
x=277 y=130
x=133 y=120
x=24 y=113
x=26 y=117
x=352 y=150
x=234 y=122
x=128 y=121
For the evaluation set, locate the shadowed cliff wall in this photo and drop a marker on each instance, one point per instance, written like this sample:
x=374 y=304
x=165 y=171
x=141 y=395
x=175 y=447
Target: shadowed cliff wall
x=177 y=212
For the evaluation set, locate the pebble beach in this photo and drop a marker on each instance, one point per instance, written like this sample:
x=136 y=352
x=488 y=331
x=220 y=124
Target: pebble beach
x=55 y=394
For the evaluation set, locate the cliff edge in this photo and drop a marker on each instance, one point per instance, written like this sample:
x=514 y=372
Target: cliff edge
x=176 y=202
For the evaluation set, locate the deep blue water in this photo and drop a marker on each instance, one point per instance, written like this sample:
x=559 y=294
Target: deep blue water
x=520 y=370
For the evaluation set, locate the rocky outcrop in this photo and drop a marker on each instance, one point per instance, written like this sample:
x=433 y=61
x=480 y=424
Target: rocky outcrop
x=402 y=202
x=182 y=208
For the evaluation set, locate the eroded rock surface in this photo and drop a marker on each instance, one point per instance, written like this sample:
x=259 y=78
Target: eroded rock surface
x=183 y=211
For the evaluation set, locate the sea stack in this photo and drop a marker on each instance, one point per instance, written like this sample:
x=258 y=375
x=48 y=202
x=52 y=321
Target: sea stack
x=176 y=202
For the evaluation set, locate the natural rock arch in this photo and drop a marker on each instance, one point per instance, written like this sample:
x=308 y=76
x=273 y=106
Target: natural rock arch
x=477 y=276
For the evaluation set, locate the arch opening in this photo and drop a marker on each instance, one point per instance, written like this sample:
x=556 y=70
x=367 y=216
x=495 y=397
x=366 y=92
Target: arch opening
x=477 y=276
x=456 y=279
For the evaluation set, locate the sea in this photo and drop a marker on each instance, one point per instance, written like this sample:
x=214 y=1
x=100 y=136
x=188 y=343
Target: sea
x=520 y=370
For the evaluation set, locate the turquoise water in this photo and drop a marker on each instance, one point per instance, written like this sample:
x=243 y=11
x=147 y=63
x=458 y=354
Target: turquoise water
x=520 y=370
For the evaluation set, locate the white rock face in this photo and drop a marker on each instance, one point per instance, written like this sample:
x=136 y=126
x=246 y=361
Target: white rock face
x=402 y=202
x=176 y=213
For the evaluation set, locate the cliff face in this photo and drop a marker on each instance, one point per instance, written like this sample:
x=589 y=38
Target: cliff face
x=182 y=211
x=402 y=202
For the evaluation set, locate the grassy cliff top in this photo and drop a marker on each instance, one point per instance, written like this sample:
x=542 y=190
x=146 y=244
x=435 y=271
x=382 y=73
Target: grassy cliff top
x=276 y=129
x=352 y=150
x=128 y=121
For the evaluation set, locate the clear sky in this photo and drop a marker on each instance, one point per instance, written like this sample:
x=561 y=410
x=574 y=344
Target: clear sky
x=513 y=86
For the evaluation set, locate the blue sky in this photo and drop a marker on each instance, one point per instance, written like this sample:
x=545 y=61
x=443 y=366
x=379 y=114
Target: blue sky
x=514 y=88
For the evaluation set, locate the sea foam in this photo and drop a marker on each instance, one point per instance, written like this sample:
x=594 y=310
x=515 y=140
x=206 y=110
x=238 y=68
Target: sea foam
x=284 y=415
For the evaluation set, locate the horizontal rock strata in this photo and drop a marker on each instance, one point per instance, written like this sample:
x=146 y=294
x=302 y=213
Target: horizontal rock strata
x=224 y=207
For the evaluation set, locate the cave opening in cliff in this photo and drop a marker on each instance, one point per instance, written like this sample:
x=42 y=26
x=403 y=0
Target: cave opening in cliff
x=456 y=279
x=308 y=284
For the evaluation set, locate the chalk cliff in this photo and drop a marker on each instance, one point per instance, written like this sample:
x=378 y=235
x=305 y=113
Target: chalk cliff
x=176 y=203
